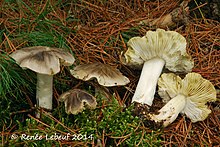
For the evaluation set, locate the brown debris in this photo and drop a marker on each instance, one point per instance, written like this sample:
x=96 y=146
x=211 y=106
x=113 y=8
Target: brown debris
x=178 y=16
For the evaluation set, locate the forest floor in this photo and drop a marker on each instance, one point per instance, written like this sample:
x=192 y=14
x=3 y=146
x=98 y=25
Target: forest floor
x=97 y=31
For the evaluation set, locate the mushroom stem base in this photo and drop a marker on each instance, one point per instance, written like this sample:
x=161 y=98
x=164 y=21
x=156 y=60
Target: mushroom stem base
x=44 y=91
x=169 y=112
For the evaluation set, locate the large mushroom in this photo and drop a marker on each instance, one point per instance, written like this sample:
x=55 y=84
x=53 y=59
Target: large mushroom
x=105 y=74
x=152 y=52
x=188 y=96
x=45 y=61
x=75 y=100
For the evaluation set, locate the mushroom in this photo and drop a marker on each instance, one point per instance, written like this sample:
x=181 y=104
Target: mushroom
x=188 y=96
x=45 y=61
x=74 y=101
x=105 y=74
x=154 y=51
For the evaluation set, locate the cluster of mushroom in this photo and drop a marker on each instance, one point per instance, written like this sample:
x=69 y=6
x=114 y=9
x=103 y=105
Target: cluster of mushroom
x=46 y=61
x=168 y=48
x=106 y=76
x=154 y=51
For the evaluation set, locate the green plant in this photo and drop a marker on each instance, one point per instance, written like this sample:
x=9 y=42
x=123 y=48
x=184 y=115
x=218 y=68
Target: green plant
x=116 y=124
x=15 y=86
x=111 y=122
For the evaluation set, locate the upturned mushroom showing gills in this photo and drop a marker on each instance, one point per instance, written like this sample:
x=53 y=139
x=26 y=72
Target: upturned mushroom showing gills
x=105 y=74
x=188 y=96
x=74 y=101
x=152 y=52
x=45 y=61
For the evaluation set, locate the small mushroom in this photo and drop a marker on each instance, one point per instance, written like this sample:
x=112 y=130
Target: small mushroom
x=105 y=74
x=152 y=52
x=45 y=61
x=74 y=101
x=188 y=96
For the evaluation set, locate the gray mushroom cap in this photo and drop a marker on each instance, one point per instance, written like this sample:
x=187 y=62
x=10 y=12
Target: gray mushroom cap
x=42 y=59
x=74 y=101
x=105 y=74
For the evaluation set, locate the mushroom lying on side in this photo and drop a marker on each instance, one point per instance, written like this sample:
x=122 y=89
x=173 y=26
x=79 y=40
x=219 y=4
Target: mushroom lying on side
x=188 y=96
x=74 y=101
x=154 y=51
x=105 y=74
x=45 y=61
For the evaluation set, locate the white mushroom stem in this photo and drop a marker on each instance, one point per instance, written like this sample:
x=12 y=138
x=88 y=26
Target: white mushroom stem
x=44 y=91
x=147 y=83
x=169 y=112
